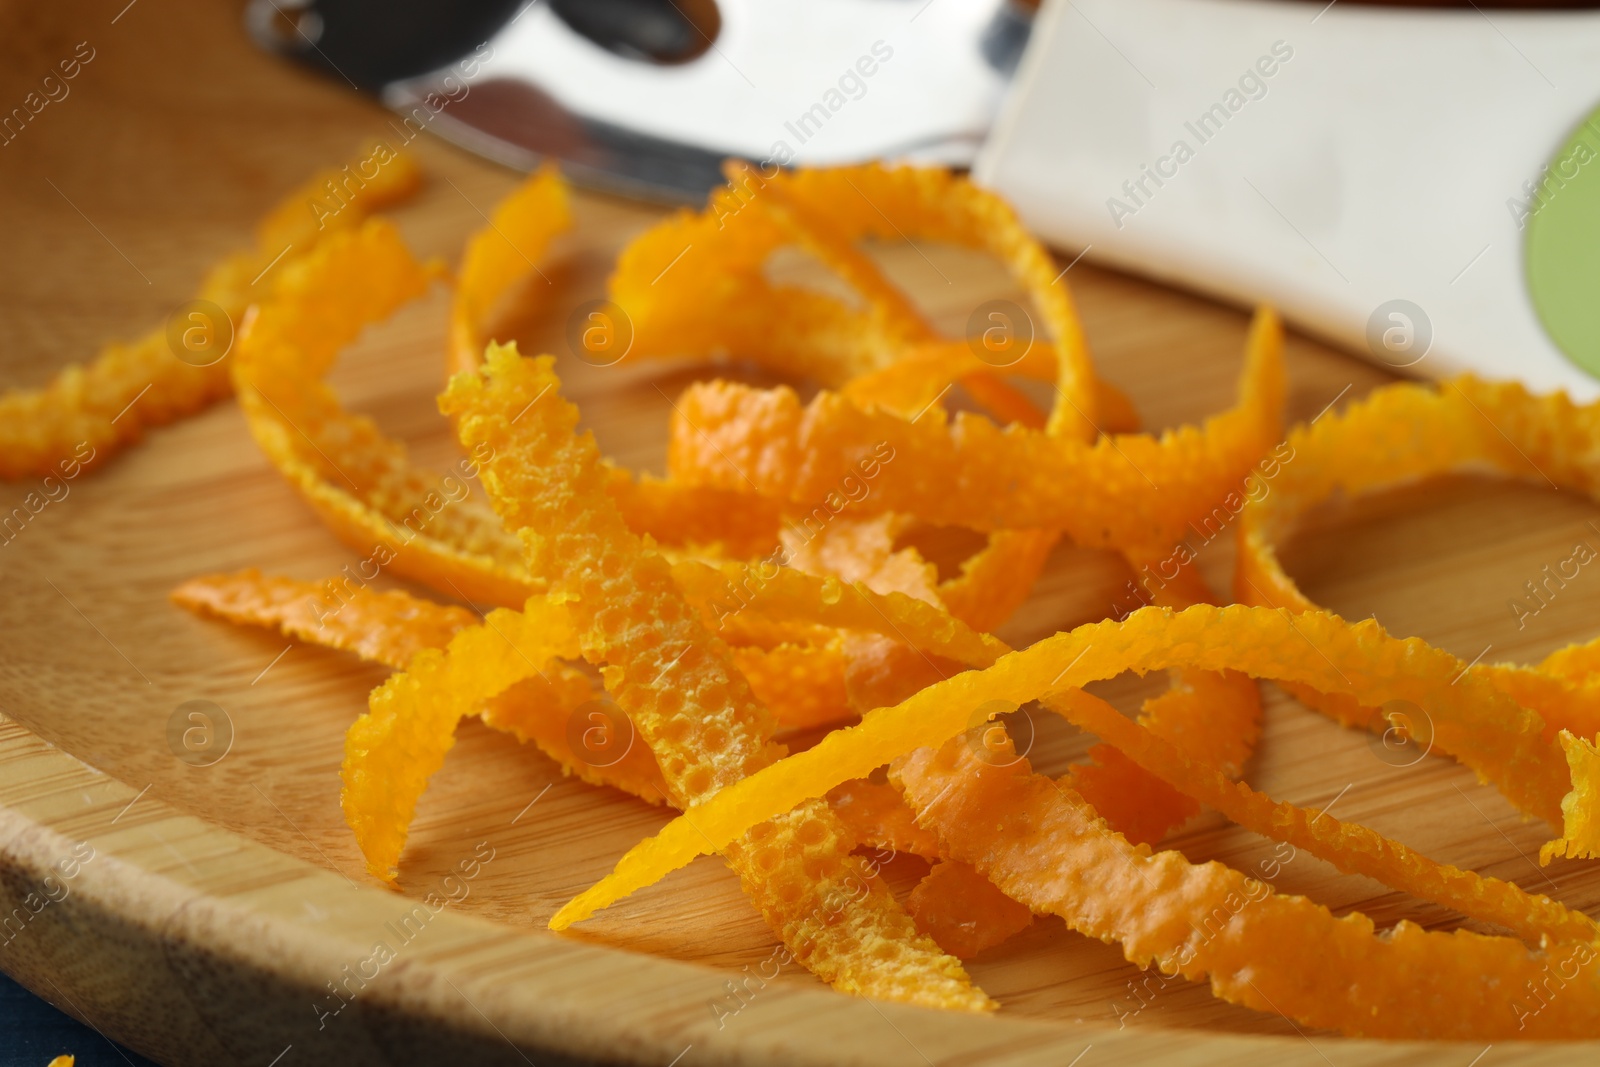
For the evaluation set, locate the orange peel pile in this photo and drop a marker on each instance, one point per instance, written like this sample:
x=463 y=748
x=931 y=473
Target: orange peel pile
x=672 y=637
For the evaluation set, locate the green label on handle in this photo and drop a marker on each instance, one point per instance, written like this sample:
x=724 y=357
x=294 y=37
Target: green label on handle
x=1560 y=211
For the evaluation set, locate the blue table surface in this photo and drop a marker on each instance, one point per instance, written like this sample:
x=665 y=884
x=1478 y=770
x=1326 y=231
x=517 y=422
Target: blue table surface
x=32 y=1033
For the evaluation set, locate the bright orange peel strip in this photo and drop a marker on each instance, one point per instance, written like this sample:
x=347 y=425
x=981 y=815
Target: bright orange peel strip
x=1407 y=432
x=410 y=723
x=1126 y=492
x=387 y=627
x=502 y=254
x=675 y=681
x=1404 y=433
x=721 y=301
x=1206 y=920
x=423 y=526
x=896 y=318
x=1260 y=642
x=1353 y=848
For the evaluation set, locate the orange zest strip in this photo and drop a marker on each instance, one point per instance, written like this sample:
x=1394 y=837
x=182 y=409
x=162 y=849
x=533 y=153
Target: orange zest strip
x=1405 y=433
x=427 y=527
x=500 y=255
x=897 y=319
x=410 y=723
x=1127 y=492
x=893 y=203
x=1354 y=849
x=722 y=302
x=68 y=423
x=1206 y=920
x=676 y=683
x=1508 y=748
x=387 y=628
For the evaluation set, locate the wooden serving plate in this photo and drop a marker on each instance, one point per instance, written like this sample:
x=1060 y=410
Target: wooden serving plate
x=222 y=900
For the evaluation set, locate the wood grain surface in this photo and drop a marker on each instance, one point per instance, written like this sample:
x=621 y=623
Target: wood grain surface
x=222 y=900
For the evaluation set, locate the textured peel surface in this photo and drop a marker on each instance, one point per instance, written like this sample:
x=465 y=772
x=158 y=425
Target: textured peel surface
x=678 y=685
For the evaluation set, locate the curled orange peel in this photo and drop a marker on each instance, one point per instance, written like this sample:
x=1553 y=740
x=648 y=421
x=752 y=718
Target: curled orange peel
x=722 y=301
x=896 y=318
x=1354 y=849
x=1314 y=649
x=677 y=684
x=1402 y=434
x=429 y=527
x=90 y=411
x=500 y=256
x=906 y=203
x=1129 y=492
x=410 y=724
x=1209 y=921
x=1405 y=433
x=387 y=627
